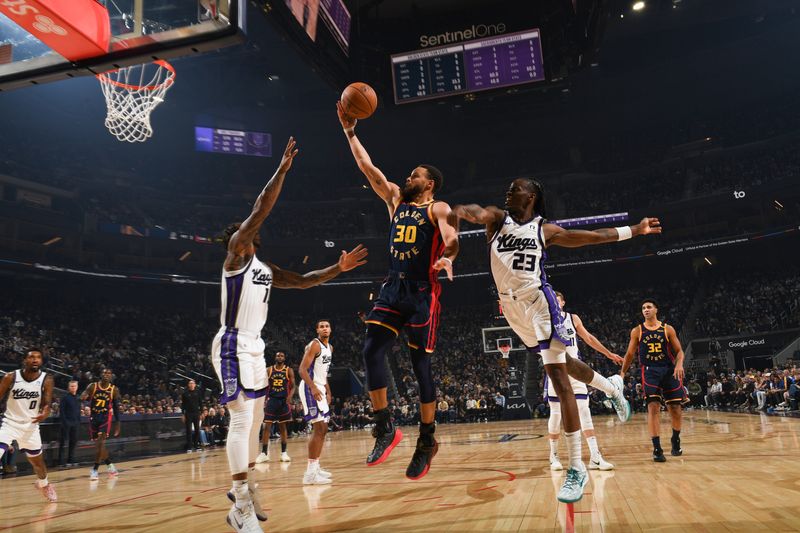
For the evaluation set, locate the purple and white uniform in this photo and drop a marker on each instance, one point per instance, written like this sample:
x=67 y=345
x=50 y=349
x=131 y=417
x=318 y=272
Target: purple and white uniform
x=578 y=387
x=237 y=351
x=24 y=400
x=517 y=258
x=316 y=410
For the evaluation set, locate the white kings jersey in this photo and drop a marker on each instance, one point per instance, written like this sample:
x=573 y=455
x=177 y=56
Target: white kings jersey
x=24 y=399
x=516 y=253
x=245 y=297
x=572 y=333
x=319 y=368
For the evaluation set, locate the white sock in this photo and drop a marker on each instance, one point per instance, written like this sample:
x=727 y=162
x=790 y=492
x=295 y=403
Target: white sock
x=553 y=447
x=599 y=382
x=240 y=490
x=312 y=464
x=595 y=451
x=574 y=450
x=42 y=483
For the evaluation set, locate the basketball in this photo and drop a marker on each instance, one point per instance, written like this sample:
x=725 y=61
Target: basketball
x=359 y=100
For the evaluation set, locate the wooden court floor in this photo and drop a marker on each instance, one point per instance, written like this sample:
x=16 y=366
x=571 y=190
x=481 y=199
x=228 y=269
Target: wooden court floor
x=739 y=472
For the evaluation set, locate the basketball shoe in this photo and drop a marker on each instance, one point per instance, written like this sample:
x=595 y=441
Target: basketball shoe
x=94 y=475
x=572 y=489
x=387 y=436
x=313 y=477
x=621 y=405
x=260 y=514
x=555 y=464
x=427 y=447
x=285 y=457
x=244 y=519
x=262 y=458
x=598 y=463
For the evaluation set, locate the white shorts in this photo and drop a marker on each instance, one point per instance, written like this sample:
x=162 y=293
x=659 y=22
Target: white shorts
x=535 y=317
x=238 y=360
x=578 y=387
x=27 y=436
x=315 y=410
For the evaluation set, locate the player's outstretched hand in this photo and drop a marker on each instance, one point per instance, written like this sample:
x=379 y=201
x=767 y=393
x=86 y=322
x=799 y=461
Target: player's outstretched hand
x=346 y=120
x=648 y=225
x=616 y=358
x=444 y=264
x=353 y=259
x=288 y=155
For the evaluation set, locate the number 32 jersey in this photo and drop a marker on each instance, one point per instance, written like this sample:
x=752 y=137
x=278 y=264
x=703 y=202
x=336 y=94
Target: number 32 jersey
x=516 y=253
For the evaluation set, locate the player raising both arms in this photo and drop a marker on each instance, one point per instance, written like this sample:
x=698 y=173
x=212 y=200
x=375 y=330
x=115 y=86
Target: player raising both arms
x=237 y=352
x=31 y=391
x=517 y=238
x=421 y=243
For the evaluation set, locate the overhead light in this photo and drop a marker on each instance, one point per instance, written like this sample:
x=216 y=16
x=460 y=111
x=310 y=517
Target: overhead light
x=708 y=260
x=622 y=15
x=51 y=241
x=185 y=256
x=638 y=6
x=273 y=77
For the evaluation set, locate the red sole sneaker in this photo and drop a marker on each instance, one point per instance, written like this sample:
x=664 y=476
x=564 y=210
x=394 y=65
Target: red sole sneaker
x=398 y=436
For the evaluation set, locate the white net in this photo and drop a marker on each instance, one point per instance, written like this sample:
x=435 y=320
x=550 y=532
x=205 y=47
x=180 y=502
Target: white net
x=131 y=95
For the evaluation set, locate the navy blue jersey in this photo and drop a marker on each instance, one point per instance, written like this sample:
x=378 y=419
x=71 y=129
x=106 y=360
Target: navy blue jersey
x=101 y=400
x=415 y=243
x=278 y=382
x=654 y=347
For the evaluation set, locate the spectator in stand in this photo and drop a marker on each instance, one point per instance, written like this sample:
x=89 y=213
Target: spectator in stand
x=190 y=400
x=70 y=417
x=714 y=394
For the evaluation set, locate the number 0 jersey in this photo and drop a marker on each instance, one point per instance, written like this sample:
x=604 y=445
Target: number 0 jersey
x=516 y=254
x=24 y=399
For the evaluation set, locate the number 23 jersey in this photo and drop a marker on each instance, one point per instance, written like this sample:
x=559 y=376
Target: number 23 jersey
x=516 y=254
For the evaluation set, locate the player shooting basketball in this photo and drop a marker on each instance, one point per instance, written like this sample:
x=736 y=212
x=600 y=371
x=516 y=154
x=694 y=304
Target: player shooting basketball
x=421 y=243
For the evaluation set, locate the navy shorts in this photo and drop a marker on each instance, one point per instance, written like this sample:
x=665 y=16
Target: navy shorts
x=413 y=305
x=277 y=410
x=100 y=423
x=658 y=383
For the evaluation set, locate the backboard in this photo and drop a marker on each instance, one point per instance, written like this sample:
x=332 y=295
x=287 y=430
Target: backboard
x=48 y=40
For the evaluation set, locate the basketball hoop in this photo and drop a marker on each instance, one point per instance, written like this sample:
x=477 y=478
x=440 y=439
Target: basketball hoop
x=128 y=104
x=505 y=349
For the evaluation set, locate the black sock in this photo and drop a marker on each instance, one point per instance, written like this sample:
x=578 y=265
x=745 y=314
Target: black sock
x=426 y=432
x=265 y=448
x=283 y=447
x=108 y=461
x=96 y=466
x=676 y=435
x=656 y=443
x=383 y=420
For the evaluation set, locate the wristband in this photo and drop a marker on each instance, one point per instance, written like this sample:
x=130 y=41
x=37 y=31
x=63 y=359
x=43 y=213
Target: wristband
x=624 y=233
x=349 y=130
x=447 y=259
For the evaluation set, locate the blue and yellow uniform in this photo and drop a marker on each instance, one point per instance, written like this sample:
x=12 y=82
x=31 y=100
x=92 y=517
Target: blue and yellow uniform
x=277 y=408
x=101 y=405
x=409 y=295
x=658 y=364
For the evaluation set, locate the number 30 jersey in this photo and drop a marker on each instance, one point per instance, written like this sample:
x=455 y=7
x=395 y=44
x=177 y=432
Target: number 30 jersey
x=516 y=253
x=415 y=243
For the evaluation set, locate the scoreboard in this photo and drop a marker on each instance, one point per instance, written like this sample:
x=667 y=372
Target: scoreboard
x=233 y=142
x=490 y=63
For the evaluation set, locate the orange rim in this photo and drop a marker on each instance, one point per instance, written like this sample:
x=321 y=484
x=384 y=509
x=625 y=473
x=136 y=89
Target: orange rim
x=160 y=62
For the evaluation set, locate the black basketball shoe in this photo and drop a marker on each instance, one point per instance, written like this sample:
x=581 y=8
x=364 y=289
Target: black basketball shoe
x=676 y=448
x=385 y=441
x=658 y=456
x=422 y=458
